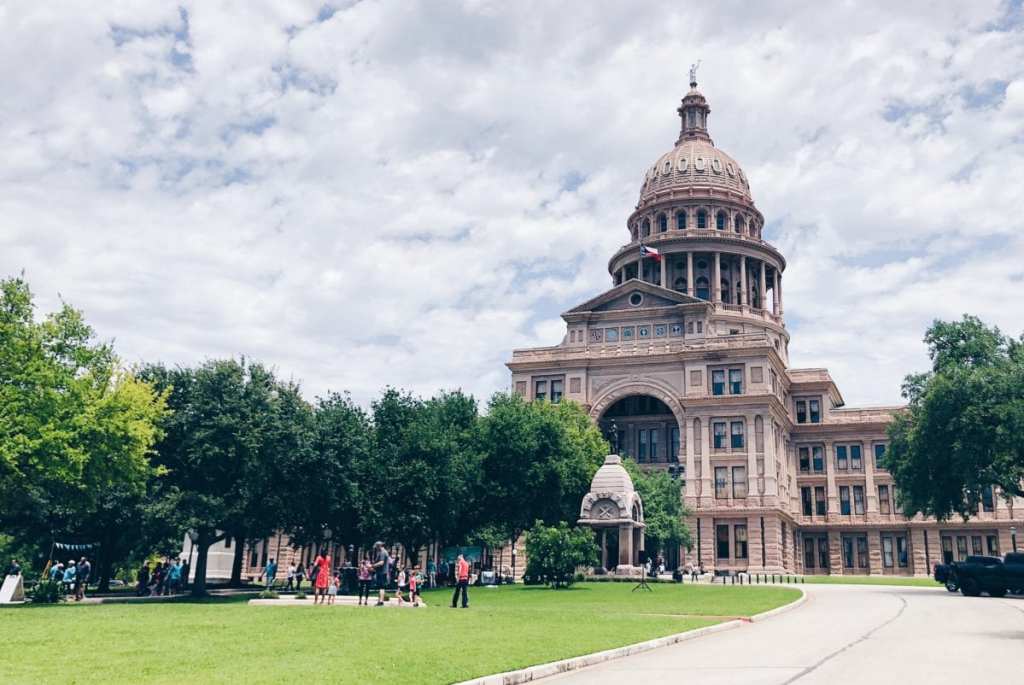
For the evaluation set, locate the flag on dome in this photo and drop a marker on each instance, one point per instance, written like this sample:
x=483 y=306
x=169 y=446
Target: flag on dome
x=646 y=252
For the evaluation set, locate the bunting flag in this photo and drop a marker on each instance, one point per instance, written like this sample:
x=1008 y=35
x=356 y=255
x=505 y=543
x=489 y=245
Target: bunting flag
x=79 y=547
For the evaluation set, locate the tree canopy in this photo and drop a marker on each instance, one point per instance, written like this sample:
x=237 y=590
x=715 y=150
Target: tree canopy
x=963 y=429
x=663 y=507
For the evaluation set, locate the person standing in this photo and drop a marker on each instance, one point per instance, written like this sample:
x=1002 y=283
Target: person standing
x=14 y=569
x=365 y=574
x=461 y=582
x=299 y=574
x=174 y=577
x=323 y=577
x=84 y=570
x=414 y=587
x=381 y=566
x=142 y=588
x=431 y=574
x=291 y=577
x=69 y=577
x=332 y=589
x=400 y=582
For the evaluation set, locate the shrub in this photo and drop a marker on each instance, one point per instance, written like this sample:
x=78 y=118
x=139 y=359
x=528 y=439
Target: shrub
x=47 y=592
x=267 y=594
x=300 y=595
x=555 y=552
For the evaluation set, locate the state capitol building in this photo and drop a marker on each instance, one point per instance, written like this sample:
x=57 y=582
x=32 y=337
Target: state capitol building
x=684 y=365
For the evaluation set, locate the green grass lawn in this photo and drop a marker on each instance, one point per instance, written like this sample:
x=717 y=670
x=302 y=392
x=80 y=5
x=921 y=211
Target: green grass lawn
x=229 y=641
x=871 y=580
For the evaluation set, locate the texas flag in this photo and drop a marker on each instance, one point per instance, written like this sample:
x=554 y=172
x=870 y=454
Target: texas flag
x=646 y=252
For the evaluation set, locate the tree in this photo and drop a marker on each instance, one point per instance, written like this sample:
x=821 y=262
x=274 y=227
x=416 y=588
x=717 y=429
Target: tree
x=663 y=508
x=76 y=428
x=231 y=428
x=538 y=460
x=555 y=552
x=963 y=429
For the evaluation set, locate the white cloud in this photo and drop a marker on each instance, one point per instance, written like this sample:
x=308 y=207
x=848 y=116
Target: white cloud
x=400 y=193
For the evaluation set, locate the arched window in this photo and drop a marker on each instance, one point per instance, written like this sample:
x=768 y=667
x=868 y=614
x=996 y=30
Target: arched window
x=679 y=284
x=720 y=221
x=702 y=288
x=662 y=223
x=738 y=224
x=681 y=221
x=647 y=228
x=755 y=300
x=726 y=297
x=753 y=230
x=702 y=219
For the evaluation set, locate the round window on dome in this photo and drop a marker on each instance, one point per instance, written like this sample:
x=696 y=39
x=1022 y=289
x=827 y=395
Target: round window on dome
x=683 y=164
x=636 y=299
x=698 y=164
x=716 y=165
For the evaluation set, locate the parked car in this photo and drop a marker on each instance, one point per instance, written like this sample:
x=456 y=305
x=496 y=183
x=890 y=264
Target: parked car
x=946 y=574
x=993 y=575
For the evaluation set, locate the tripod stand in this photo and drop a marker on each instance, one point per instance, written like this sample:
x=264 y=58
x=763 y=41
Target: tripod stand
x=642 y=585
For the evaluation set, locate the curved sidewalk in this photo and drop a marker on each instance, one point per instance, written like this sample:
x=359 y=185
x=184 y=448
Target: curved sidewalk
x=844 y=634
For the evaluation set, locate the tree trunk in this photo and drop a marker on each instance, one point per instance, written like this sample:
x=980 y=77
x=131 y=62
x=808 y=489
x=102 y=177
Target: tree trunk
x=104 y=574
x=236 y=564
x=203 y=544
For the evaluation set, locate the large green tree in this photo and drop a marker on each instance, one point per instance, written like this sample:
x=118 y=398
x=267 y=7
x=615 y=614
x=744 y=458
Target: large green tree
x=664 y=512
x=963 y=429
x=226 y=443
x=538 y=460
x=76 y=428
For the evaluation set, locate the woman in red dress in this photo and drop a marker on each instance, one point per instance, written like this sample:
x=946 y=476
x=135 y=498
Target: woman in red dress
x=323 y=577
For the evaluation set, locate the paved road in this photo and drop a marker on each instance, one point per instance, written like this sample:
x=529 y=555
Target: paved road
x=843 y=634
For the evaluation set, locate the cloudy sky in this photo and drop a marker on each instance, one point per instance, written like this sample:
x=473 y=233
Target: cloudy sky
x=375 y=193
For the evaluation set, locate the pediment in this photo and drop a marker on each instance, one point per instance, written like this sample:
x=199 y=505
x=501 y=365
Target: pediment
x=623 y=298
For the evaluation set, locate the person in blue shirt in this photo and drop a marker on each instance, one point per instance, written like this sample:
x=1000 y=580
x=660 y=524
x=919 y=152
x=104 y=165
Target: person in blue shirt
x=270 y=573
x=174 y=577
x=69 y=576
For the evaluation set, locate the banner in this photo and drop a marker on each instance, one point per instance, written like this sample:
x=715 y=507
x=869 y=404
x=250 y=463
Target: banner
x=77 y=547
x=472 y=554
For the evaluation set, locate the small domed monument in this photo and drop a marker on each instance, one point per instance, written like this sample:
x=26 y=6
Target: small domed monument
x=615 y=511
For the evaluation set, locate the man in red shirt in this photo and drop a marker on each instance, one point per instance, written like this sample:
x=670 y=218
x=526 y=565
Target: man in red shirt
x=461 y=582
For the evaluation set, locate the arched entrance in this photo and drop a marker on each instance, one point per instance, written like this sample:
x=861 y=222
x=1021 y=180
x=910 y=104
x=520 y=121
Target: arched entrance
x=643 y=428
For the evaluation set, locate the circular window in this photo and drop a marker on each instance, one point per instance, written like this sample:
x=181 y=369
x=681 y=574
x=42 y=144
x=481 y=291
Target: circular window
x=716 y=165
x=702 y=264
x=698 y=164
x=636 y=299
x=683 y=164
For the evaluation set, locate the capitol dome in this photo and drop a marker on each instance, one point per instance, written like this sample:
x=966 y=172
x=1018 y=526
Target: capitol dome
x=694 y=167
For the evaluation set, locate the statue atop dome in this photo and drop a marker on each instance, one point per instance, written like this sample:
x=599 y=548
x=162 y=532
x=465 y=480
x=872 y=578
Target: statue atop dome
x=693 y=74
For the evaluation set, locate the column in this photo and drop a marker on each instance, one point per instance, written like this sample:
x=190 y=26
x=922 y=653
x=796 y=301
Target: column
x=867 y=458
x=717 y=285
x=664 y=265
x=604 y=548
x=689 y=275
x=762 y=287
x=778 y=284
x=691 y=484
x=775 y=291
x=918 y=560
x=755 y=551
x=625 y=545
x=752 y=490
x=832 y=492
x=743 y=279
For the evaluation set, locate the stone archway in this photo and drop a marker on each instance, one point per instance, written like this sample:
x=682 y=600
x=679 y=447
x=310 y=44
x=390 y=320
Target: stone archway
x=626 y=388
x=642 y=419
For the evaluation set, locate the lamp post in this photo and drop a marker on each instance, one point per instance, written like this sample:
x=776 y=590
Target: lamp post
x=1013 y=537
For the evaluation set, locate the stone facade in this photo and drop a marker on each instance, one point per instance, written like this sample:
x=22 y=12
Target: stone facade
x=684 y=365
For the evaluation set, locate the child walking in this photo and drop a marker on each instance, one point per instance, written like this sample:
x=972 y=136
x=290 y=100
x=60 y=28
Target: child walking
x=401 y=586
x=332 y=589
x=414 y=588
x=365 y=574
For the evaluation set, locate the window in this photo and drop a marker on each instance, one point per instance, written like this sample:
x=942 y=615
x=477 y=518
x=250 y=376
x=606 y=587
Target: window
x=841 y=460
x=720 y=221
x=702 y=219
x=801 y=411
x=738 y=224
x=844 y=500
x=805 y=498
x=823 y=553
x=847 y=551
x=674 y=447
x=947 y=549
x=819 y=500
x=976 y=544
x=993 y=545
x=987 y=498
x=722 y=541
x=646 y=228
x=739 y=481
x=721 y=482
x=862 y=552
x=884 y=505
x=736 y=435
x=740 y=536
x=818 y=459
x=662 y=223
x=679 y=284
x=879 y=456
x=654 y=444
x=856 y=463
x=961 y=547
x=556 y=390
x=540 y=390
x=641 y=447
x=858 y=499
x=735 y=381
x=719 y=434
x=718 y=382
x=681 y=221
x=814 y=409
x=805 y=459
x=702 y=289
x=808 y=553
x=887 y=559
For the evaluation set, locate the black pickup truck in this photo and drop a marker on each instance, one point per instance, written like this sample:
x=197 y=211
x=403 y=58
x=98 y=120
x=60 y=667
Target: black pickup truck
x=993 y=575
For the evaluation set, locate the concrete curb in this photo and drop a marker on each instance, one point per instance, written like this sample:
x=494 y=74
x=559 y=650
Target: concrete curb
x=531 y=673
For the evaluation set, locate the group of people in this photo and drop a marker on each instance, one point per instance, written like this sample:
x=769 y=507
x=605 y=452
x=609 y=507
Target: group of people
x=167 y=577
x=74 y=576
